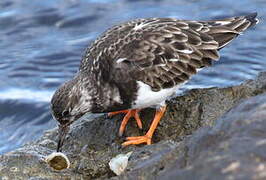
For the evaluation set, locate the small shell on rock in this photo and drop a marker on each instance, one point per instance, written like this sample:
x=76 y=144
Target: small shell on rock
x=118 y=164
x=58 y=161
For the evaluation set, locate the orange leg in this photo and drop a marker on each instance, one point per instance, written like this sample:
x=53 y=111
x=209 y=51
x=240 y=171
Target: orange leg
x=129 y=113
x=147 y=137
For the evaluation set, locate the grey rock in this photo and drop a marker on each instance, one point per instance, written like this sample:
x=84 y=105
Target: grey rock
x=205 y=134
x=234 y=148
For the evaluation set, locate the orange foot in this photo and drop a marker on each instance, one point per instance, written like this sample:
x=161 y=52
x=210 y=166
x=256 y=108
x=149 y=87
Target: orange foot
x=137 y=140
x=129 y=113
x=147 y=138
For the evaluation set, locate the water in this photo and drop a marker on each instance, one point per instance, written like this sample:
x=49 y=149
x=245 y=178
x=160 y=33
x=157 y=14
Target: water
x=42 y=42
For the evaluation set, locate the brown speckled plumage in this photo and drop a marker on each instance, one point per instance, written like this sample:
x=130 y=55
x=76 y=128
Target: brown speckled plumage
x=163 y=52
x=140 y=63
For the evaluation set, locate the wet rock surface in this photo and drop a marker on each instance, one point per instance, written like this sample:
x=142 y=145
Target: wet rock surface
x=206 y=133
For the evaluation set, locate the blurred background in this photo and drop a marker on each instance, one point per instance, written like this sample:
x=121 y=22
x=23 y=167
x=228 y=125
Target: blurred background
x=42 y=42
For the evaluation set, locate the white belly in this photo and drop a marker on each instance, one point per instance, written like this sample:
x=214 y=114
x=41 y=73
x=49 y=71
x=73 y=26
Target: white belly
x=147 y=98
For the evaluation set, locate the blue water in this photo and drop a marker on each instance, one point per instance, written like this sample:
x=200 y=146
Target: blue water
x=41 y=44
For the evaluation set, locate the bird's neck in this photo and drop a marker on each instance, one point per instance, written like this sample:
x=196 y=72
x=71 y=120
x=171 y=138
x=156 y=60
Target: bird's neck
x=98 y=94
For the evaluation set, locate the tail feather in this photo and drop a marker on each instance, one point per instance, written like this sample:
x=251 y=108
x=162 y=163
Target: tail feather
x=252 y=18
x=246 y=22
x=230 y=28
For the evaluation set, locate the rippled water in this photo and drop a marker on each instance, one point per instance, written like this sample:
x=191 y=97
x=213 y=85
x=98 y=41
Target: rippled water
x=42 y=42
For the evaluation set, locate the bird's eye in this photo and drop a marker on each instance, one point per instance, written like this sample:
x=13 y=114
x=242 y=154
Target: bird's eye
x=65 y=113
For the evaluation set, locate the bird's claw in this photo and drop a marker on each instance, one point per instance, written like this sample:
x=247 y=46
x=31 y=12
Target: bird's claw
x=137 y=140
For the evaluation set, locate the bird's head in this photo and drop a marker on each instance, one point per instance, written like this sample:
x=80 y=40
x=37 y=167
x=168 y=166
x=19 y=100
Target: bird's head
x=68 y=104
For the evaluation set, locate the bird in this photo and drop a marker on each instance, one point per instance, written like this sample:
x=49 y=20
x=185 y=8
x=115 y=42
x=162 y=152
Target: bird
x=141 y=63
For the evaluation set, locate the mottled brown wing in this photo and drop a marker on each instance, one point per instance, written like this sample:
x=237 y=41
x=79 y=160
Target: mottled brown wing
x=168 y=51
x=162 y=52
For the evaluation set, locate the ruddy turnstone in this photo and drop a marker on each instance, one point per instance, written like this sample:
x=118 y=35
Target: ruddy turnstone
x=139 y=64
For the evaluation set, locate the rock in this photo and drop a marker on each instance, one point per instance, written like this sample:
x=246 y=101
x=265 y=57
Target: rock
x=201 y=135
x=234 y=148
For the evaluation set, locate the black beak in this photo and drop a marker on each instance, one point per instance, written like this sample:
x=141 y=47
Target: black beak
x=62 y=132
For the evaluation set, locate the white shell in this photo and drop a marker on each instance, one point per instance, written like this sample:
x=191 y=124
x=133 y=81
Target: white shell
x=56 y=154
x=119 y=163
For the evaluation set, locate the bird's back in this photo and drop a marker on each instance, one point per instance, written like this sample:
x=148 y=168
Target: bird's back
x=162 y=52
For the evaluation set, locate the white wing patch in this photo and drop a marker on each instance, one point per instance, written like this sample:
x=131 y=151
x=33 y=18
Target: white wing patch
x=173 y=60
x=223 y=22
x=120 y=60
x=141 y=25
x=186 y=51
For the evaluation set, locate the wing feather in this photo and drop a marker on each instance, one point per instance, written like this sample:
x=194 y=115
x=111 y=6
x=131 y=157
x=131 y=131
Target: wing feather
x=164 y=52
